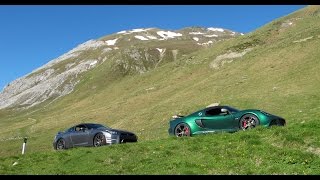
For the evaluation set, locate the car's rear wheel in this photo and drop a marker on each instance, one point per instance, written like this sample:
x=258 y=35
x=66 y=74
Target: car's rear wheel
x=99 y=140
x=182 y=129
x=61 y=144
x=249 y=121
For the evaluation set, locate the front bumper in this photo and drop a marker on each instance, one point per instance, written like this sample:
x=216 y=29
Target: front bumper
x=278 y=121
x=122 y=138
x=128 y=138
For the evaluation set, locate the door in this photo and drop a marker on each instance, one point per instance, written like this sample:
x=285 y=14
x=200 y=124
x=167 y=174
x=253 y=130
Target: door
x=80 y=136
x=215 y=119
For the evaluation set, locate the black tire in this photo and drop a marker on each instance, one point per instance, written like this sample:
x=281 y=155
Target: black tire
x=248 y=121
x=99 y=140
x=182 y=129
x=61 y=144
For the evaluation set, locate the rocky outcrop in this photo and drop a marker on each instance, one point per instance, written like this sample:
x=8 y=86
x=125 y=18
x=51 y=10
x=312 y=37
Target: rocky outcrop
x=33 y=89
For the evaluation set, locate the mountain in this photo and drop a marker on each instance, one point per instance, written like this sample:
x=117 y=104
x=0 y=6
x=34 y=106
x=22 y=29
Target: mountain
x=131 y=51
x=275 y=69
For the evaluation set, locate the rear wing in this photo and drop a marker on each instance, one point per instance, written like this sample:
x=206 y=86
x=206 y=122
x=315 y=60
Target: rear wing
x=177 y=116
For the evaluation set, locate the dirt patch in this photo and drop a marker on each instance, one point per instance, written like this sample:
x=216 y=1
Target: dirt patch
x=314 y=150
x=175 y=53
x=227 y=58
x=302 y=40
x=286 y=24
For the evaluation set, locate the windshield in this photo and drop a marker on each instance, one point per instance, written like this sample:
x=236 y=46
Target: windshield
x=232 y=110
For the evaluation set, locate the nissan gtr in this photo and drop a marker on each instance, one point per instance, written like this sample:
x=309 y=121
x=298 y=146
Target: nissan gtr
x=91 y=134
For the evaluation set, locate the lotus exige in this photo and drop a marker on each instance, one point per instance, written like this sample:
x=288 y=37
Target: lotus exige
x=221 y=118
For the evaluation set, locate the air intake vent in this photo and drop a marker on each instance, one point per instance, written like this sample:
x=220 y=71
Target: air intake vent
x=199 y=123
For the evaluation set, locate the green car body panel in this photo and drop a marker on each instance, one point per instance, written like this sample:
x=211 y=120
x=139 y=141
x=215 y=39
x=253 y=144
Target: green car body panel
x=212 y=119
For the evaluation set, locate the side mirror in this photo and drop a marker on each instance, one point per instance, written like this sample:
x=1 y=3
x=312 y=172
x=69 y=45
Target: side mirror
x=224 y=111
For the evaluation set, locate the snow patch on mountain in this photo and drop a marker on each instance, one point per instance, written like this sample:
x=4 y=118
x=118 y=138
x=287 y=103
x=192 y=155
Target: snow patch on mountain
x=93 y=63
x=168 y=34
x=196 y=33
x=111 y=42
x=205 y=44
x=141 y=38
x=215 y=29
x=212 y=35
x=195 y=38
x=121 y=32
x=133 y=31
x=159 y=49
x=137 y=30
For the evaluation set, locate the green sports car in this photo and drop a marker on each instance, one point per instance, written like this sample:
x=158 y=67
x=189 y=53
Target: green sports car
x=221 y=118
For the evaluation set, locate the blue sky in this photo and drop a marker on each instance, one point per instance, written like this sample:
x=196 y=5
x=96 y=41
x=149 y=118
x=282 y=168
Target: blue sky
x=31 y=36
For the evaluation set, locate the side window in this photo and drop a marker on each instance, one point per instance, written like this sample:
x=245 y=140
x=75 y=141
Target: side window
x=213 y=112
x=80 y=128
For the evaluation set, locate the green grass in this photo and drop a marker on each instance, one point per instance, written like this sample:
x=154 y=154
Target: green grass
x=260 y=151
x=278 y=76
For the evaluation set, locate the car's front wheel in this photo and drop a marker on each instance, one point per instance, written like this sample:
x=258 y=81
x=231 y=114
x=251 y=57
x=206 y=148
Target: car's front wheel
x=182 y=129
x=249 y=121
x=61 y=144
x=99 y=140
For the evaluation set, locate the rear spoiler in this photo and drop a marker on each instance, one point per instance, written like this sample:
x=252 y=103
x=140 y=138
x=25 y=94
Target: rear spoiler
x=177 y=116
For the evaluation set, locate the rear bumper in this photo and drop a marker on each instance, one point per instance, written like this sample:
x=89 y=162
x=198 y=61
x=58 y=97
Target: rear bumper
x=170 y=131
x=54 y=144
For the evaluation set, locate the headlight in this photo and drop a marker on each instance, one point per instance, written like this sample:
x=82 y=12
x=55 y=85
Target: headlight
x=113 y=132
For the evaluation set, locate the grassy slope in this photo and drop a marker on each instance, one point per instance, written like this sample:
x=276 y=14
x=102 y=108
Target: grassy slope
x=208 y=154
x=278 y=75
